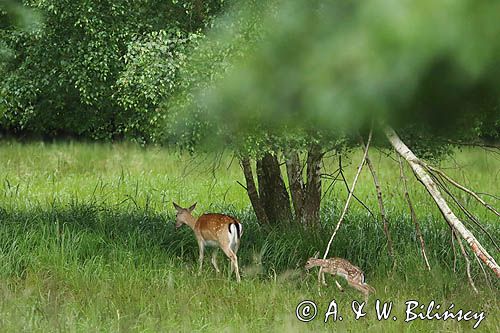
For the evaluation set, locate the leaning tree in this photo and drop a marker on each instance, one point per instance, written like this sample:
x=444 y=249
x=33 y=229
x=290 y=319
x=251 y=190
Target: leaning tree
x=318 y=75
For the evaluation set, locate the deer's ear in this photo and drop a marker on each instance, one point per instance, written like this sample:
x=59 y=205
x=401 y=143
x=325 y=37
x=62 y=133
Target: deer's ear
x=316 y=255
x=192 y=207
x=177 y=206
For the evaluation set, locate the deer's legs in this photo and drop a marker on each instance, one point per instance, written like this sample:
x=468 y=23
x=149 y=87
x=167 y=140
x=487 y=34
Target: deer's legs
x=202 y=254
x=339 y=286
x=214 y=260
x=234 y=261
x=359 y=286
x=370 y=288
x=236 y=247
x=323 y=281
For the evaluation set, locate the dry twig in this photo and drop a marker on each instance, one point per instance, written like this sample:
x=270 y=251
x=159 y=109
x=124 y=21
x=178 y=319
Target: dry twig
x=463 y=188
x=413 y=214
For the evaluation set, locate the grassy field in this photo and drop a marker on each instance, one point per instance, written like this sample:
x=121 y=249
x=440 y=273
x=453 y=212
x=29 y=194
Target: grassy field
x=87 y=243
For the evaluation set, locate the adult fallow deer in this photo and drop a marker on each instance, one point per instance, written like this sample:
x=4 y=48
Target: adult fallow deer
x=219 y=230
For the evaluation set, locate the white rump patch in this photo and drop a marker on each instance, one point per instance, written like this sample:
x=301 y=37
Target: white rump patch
x=233 y=236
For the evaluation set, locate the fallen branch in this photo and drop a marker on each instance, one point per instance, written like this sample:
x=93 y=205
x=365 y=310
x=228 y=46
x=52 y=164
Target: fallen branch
x=413 y=214
x=423 y=176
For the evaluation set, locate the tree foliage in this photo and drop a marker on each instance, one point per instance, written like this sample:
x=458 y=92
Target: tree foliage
x=71 y=75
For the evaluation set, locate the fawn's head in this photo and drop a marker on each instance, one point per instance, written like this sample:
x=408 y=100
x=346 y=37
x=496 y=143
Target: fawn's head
x=183 y=214
x=312 y=262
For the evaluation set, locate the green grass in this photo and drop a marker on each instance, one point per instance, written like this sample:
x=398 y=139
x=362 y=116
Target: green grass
x=87 y=243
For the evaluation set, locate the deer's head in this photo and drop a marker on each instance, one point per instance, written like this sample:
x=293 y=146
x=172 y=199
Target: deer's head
x=183 y=214
x=312 y=262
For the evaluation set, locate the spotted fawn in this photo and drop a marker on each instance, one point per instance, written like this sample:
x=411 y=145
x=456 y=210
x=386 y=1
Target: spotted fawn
x=341 y=267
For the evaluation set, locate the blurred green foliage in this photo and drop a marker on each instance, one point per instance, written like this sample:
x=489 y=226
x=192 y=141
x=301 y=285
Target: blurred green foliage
x=329 y=68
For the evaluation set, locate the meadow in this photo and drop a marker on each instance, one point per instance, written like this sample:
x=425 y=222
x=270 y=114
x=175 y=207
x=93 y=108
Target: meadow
x=87 y=244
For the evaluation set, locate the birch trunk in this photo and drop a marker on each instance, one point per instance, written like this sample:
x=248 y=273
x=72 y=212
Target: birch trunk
x=432 y=188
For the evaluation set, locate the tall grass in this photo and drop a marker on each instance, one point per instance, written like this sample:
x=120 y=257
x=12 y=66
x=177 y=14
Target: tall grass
x=87 y=243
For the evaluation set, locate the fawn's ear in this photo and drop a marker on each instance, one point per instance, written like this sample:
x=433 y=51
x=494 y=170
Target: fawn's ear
x=192 y=207
x=177 y=206
x=316 y=255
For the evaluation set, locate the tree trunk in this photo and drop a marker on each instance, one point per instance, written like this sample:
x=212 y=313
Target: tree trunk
x=272 y=191
x=430 y=185
x=312 y=198
x=252 y=192
x=306 y=198
x=296 y=183
x=271 y=201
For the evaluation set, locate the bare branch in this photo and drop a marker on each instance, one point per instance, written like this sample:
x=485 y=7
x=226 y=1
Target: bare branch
x=349 y=191
x=484 y=271
x=467 y=264
x=330 y=187
x=473 y=144
x=489 y=195
x=413 y=214
x=463 y=188
x=239 y=183
x=465 y=210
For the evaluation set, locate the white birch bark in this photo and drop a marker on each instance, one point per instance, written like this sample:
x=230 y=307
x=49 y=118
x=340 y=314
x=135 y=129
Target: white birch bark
x=433 y=190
